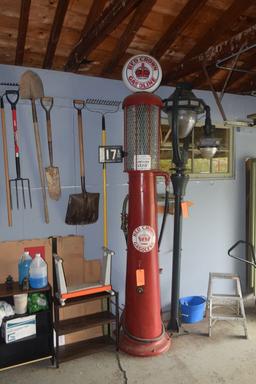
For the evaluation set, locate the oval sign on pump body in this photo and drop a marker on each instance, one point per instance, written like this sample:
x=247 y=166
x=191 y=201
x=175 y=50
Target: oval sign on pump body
x=144 y=238
x=142 y=73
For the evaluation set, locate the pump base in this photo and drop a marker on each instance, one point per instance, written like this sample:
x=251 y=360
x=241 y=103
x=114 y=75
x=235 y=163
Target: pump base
x=144 y=349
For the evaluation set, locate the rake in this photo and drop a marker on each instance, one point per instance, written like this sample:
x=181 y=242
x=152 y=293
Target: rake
x=103 y=107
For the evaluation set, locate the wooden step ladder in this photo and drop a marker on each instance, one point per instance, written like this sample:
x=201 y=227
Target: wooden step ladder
x=233 y=302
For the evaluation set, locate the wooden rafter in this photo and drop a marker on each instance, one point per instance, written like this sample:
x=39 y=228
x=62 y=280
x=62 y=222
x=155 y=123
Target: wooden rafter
x=197 y=84
x=232 y=78
x=244 y=84
x=215 y=33
x=113 y=15
x=185 y=17
x=247 y=84
x=212 y=54
x=212 y=71
x=242 y=81
x=239 y=77
x=23 y=26
x=95 y=11
x=55 y=32
x=139 y=16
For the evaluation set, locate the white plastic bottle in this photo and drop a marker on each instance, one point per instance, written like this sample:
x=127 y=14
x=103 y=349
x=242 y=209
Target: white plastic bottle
x=38 y=272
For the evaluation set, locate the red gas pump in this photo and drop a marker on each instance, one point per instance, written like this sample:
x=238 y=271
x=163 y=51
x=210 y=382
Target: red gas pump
x=143 y=331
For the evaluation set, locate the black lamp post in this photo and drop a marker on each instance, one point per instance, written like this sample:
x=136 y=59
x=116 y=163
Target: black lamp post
x=182 y=108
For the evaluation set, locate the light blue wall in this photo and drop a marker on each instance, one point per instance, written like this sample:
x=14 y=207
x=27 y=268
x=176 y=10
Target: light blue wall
x=217 y=218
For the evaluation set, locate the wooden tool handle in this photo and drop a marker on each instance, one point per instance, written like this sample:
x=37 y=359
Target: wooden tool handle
x=6 y=165
x=104 y=178
x=47 y=104
x=39 y=159
x=49 y=138
x=81 y=149
x=79 y=105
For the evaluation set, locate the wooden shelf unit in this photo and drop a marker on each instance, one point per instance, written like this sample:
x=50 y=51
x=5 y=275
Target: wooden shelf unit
x=30 y=349
x=68 y=326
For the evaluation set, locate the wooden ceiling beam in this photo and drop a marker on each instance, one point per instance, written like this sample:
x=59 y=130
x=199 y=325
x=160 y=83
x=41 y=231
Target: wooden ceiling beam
x=94 y=13
x=238 y=78
x=59 y=17
x=177 y=27
x=113 y=15
x=212 y=55
x=231 y=77
x=215 y=33
x=22 y=32
x=201 y=79
x=247 y=66
x=124 y=41
x=245 y=84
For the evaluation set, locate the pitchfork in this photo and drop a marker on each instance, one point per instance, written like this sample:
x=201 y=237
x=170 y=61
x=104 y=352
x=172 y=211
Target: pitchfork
x=13 y=96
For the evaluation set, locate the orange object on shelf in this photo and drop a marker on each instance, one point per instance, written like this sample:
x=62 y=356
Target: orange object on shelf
x=85 y=292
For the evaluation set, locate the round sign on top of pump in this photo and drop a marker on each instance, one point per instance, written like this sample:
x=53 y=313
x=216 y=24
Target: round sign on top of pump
x=142 y=73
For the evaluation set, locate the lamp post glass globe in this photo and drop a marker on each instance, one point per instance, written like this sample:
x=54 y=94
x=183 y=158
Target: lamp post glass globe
x=186 y=121
x=208 y=146
x=208 y=152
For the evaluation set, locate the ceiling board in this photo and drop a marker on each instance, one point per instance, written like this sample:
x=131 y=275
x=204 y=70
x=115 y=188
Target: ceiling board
x=179 y=33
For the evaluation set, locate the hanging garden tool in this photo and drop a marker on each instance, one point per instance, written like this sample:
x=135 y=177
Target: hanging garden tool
x=82 y=207
x=6 y=166
x=51 y=172
x=13 y=96
x=103 y=107
x=31 y=87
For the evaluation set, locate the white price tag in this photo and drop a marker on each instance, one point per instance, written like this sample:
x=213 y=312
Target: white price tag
x=142 y=162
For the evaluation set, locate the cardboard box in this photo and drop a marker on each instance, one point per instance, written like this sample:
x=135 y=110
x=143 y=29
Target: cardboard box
x=18 y=328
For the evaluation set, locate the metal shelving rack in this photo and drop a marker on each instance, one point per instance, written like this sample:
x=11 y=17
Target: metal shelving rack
x=30 y=349
x=68 y=326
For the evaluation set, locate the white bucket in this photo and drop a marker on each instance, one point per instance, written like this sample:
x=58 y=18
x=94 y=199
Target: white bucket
x=20 y=303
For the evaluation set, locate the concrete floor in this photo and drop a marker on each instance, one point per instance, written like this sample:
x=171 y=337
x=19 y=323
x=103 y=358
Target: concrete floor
x=194 y=358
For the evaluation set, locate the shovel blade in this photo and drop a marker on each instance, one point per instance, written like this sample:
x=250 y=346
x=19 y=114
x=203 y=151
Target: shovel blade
x=31 y=86
x=83 y=208
x=53 y=182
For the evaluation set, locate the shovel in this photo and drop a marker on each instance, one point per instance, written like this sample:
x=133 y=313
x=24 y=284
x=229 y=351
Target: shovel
x=31 y=87
x=82 y=207
x=51 y=172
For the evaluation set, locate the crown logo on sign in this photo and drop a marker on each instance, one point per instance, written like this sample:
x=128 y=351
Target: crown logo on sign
x=142 y=72
x=144 y=238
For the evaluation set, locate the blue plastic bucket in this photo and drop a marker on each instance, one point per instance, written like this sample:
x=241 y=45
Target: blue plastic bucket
x=192 y=308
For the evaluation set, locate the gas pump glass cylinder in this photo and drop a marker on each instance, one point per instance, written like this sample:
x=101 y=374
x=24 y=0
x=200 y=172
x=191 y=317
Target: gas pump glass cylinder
x=142 y=132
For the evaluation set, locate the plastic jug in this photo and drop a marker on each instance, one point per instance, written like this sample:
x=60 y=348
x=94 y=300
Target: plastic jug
x=23 y=266
x=38 y=272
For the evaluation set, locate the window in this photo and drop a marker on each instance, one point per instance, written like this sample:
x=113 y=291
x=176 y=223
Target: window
x=220 y=166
